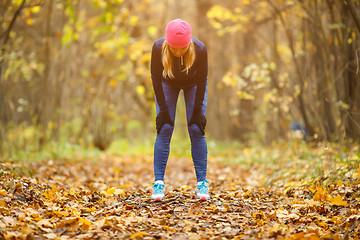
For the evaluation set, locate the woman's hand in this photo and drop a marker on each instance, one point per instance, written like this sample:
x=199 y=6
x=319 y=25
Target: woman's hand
x=161 y=119
x=199 y=119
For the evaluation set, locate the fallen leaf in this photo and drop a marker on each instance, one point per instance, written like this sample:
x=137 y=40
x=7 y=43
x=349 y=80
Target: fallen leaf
x=337 y=201
x=320 y=194
x=2 y=204
x=3 y=192
x=138 y=235
x=72 y=191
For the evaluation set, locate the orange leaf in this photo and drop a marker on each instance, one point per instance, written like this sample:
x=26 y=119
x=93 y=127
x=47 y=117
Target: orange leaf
x=137 y=235
x=109 y=191
x=61 y=213
x=29 y=21
x=321 y=194
x=338 y=201
x=323 y=224
x=84 y=222
x=72 y=191
x=2 y=203
x=339 y=183
x=3 y=192
x=167 y=228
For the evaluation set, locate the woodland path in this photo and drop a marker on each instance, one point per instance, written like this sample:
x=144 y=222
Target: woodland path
x=108 y=198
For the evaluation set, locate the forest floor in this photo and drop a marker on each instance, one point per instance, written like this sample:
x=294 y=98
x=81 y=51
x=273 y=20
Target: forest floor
x=252 y=197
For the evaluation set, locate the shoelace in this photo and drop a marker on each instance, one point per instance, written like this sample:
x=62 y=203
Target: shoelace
x=158 y=188
x=203 y=188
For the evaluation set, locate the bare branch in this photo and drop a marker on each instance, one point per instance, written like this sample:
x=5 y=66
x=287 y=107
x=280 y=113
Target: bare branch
x=356 y=16
x=6 y=33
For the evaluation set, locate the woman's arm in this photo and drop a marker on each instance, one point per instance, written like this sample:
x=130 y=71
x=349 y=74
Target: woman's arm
x=202 y=78
x=156 y=76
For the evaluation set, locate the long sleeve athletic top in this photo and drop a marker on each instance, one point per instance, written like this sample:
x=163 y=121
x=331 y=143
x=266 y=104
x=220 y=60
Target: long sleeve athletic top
x=197 y=75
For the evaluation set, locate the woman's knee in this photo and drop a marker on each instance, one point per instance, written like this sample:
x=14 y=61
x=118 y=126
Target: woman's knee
x=166 y=130
x=194 y=131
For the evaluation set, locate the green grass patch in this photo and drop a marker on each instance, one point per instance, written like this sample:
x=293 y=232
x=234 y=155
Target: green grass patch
x=294 y=162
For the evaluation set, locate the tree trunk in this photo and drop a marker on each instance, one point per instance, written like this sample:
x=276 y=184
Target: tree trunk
x=300 y=98
x=351 y=81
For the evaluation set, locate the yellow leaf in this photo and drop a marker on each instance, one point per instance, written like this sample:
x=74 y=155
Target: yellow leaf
x=323 y=224
x=3 y=192
x=184 y=187
x=2 y=203
x=61 y=213
x=138 y=235
x=167 y=228
x=113 y=83
x=339 y=183
x=35 y=9
x=84 y=222
x=48 y=195
x=134 y=20
x=109 y=191
x=152 y=30
x=54 y=188
x=17 y=2
x=140 y=90
x=72 y=191
x=126 y=185
x=29 y=21
x=338 y=201
x=71 y=220
x=245 y=95
x=336 y=220
x=75 y=212
x=321 y=194
x=116 y=170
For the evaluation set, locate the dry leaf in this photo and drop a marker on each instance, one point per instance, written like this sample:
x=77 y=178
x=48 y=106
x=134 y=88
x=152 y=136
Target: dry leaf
x=337 y=201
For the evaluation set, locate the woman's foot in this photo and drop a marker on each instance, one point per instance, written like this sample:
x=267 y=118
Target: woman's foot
x=158 y=191
x=202 y=191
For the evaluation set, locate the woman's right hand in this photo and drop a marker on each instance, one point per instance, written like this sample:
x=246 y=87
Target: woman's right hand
x=161 y=119
x=199 y=119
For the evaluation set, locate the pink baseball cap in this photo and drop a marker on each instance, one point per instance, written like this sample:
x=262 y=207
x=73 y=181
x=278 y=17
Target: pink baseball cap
x=178 y=33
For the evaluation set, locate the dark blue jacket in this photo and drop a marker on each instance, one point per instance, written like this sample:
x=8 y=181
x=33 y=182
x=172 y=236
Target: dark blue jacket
x=197 y=73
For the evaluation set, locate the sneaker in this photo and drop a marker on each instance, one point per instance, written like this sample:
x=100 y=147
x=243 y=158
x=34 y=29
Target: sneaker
x=202 y=191
x=158 y=191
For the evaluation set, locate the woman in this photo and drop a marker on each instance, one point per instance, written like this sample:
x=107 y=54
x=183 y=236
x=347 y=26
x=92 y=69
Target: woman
x=179 y=62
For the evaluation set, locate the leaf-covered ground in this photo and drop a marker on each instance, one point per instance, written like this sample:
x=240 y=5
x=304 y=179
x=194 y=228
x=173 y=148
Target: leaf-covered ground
x=108 y=198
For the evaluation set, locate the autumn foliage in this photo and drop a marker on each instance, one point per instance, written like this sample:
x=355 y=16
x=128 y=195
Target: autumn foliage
x=74 y=78
x=108 y=198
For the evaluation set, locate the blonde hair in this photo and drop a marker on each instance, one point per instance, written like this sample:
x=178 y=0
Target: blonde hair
x=167 y=58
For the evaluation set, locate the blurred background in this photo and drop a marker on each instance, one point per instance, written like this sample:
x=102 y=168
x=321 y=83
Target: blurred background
x=77 y=72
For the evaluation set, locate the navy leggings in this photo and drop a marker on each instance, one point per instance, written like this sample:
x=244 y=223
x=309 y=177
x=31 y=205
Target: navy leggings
x=198 y=141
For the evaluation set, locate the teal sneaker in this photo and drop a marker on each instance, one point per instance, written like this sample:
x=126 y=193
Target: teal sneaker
x=158 y=191
x=202 y=191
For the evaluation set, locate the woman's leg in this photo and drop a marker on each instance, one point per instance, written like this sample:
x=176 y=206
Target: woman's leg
x=162 y=142
x=198 y=141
